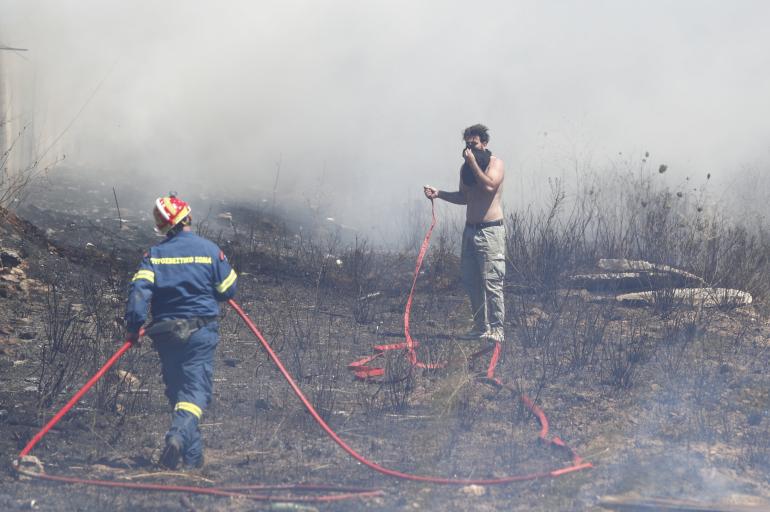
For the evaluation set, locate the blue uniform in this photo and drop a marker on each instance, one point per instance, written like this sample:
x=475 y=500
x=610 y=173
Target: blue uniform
x=184 y=277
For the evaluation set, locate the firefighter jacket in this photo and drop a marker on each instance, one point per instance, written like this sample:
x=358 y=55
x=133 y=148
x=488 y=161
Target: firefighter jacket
x=182 y=277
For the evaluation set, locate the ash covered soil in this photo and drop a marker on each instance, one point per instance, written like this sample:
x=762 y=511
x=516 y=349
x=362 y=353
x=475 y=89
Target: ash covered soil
x=668 y=403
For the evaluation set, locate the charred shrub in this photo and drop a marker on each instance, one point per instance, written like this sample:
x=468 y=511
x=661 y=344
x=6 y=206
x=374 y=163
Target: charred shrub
x=328 y=370
x=589 y=325
x=535 y=325
x=81 y=334
x=15 y=181
x=443 y=264
x=625 y=350
x=544 y=246
x=665 y=302
x=678 y=333
x=359 y=267
x=393 y=392
x=399 y=381
x=65 y=350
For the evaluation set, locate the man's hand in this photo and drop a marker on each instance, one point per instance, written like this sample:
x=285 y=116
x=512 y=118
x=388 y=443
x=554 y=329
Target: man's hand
x=469 y=157
x=430 y=192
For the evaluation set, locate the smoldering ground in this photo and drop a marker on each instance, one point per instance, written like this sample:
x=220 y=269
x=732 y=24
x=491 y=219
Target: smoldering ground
x=668 y=400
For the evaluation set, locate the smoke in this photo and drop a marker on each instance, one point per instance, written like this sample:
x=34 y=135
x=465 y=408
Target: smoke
x=361 y=103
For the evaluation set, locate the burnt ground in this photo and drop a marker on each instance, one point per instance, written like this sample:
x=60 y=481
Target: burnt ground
x=667 y=401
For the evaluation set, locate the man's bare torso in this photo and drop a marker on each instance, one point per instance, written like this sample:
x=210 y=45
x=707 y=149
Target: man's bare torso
x=483 y=205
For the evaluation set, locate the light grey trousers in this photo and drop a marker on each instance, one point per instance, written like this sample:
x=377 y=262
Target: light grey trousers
x=482 y=268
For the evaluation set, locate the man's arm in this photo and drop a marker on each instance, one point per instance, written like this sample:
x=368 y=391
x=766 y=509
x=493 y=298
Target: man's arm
x=451 y=197
x=492 y=178
x=139 y=295
x=225 y=278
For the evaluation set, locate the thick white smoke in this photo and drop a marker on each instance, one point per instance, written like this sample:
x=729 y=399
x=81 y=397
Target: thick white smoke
x=363 y=102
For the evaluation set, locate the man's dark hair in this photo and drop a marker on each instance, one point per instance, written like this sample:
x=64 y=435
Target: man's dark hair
x=477 y=129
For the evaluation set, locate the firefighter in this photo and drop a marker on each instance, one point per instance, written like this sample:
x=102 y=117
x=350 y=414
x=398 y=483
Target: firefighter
x=181 y=279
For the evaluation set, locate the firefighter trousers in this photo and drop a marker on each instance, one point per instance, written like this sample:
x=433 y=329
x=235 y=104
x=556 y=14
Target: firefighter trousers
x=188 y=369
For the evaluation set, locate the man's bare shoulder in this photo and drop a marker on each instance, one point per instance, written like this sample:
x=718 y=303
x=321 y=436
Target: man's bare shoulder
x=497 y=162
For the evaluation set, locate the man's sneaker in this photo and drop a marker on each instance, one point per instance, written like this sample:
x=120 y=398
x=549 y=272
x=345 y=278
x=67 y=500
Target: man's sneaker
x=494 y=335
x=474 y=334
x=172 y=453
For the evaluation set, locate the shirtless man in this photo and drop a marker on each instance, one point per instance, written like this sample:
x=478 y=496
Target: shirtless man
x=482 y=262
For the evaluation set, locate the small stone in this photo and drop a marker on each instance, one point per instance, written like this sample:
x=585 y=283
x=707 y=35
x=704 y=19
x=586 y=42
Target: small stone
x=29 y=464
x=9 y=258
x=129 y=379
x=474 y=490
x=10 y=278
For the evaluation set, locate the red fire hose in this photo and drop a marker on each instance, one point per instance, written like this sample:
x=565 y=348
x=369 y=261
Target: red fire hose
x=75 y=399
x=247 y=491
x=348 y=493
x=577 y=465
x=364 y=371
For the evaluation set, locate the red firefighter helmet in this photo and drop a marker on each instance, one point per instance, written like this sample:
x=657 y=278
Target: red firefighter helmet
x=168 y=212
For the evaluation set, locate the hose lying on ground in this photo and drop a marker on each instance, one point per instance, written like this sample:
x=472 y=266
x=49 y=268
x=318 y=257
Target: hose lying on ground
x=347 y=493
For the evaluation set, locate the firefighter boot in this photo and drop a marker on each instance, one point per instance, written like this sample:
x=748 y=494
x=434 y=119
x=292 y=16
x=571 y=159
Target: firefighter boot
x=172 y=453
x=185 y=426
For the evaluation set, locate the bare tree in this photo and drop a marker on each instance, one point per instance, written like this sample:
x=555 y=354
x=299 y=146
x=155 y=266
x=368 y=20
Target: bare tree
x=14 y=177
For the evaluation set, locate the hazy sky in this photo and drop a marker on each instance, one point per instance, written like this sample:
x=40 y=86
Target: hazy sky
x=363 y=102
